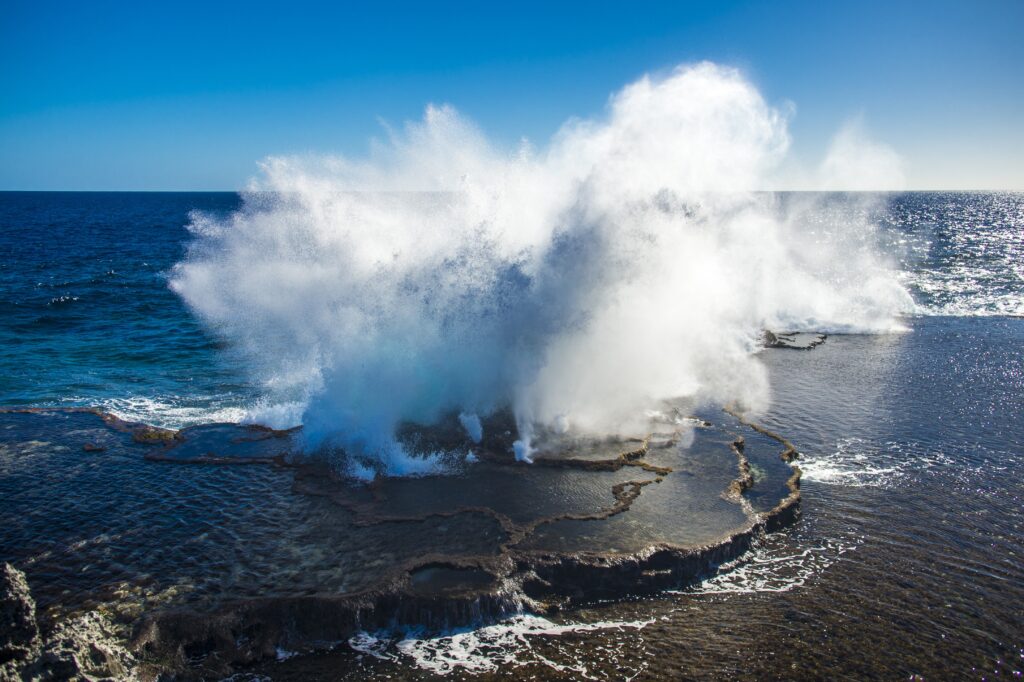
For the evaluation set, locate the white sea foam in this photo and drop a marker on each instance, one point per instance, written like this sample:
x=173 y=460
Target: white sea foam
x=775 y=567
x=856 y=462
x=627 y=261
x=175 y=412
x=484 y=649
x=164 y=411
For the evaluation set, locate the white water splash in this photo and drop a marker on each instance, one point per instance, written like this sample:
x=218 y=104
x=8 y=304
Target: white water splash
x=471 y=423
x=628 y=261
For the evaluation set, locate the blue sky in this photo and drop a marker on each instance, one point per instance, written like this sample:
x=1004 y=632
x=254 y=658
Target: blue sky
x=190 y=95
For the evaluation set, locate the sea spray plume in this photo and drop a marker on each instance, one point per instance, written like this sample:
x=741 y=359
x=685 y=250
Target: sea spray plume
x=855 y=162
x=628 y=262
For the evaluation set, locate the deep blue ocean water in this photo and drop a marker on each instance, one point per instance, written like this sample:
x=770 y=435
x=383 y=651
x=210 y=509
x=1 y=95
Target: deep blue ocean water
x=86 y=317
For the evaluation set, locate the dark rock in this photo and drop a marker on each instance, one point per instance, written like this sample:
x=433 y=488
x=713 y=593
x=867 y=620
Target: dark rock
x=153 y=435
x=19 y=633
x=225 y=444
x=83 y=648
x=793 y=340
x=92 y=447
x=439 y=589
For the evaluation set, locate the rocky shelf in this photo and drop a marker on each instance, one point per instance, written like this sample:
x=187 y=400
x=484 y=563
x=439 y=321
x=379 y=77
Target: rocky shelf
x=194 y=570
x=793 y=340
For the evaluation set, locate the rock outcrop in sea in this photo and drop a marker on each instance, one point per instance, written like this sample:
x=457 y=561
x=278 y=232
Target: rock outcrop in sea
x=793 y=340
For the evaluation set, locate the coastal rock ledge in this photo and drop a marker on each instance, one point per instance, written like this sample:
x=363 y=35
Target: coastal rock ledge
x=329 y=558
x=81 y=648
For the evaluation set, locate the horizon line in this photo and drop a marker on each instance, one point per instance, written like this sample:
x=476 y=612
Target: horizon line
x=756 y=191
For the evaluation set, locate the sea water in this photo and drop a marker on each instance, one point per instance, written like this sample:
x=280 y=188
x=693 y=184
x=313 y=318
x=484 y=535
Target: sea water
x=910 y=546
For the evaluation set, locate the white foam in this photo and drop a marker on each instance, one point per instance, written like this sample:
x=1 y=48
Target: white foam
x=771 y=568
x=857 y=462
x=372 y=645
x=166 y=412
x=176 y=412
x=484 y=649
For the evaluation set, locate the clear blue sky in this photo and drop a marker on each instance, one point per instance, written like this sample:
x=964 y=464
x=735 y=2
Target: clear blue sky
x=190 y=95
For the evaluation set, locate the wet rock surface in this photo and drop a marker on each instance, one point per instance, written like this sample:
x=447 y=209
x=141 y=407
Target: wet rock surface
x=85 y=647
x=202 y=568
x=227 y=444
x=793 y=340
x=19 y=633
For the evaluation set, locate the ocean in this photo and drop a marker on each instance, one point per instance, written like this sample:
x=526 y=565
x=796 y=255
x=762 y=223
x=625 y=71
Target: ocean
x=909 y=556
x=88 y=318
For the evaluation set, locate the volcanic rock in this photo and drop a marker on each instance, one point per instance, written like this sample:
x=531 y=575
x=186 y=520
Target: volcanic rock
x=19 y=633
